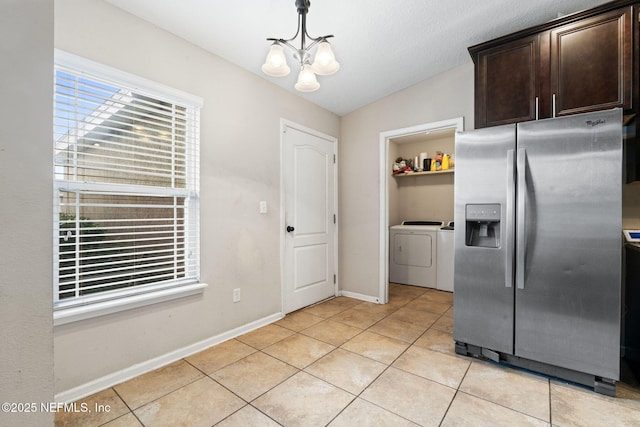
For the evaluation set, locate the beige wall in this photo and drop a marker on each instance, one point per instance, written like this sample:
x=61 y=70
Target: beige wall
x=26 y=337
x=240 y=166
x=631 y=206
x=446 y=96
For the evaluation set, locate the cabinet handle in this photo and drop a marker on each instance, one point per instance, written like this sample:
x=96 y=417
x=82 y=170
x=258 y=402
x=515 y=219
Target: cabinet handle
x=537 y=108
x=554 y=105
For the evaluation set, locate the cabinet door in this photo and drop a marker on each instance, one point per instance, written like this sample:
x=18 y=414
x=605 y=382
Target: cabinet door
x=506 y=83
x=591 y=64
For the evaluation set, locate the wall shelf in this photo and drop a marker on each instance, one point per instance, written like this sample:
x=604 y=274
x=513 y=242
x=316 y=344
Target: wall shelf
x=423 y=173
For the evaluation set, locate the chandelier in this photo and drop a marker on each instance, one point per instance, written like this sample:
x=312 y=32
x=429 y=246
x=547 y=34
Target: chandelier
x=324 y=62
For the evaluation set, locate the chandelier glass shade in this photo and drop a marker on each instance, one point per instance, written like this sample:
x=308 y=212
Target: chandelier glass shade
x=324 y=61
x=307 y=81
x=276 y=63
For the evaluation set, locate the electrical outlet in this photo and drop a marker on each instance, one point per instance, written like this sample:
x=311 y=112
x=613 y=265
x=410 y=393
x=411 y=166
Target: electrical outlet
x=263 y=207
x=236 y=295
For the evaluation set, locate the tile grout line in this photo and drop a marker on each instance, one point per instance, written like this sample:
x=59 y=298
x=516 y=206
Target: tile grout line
x=128 y=406
x=164 y=395
x=503 y=406
x=500 y=404
x=455 y=394
x=247 y=403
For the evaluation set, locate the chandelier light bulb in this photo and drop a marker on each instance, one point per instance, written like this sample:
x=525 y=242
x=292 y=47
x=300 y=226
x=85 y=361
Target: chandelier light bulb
x=325 y=62
x=307 y=81
x=276 y=64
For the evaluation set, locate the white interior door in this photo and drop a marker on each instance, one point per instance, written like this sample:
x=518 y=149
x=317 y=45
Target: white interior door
x=309 y=174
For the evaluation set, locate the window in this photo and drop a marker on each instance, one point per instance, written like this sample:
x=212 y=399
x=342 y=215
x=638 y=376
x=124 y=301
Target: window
x=126 y=171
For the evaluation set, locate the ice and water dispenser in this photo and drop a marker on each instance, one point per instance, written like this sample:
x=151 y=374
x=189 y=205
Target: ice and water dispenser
x=483 y=225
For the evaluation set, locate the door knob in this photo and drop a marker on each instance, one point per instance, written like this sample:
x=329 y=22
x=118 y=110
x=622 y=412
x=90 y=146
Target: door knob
x=290 y=229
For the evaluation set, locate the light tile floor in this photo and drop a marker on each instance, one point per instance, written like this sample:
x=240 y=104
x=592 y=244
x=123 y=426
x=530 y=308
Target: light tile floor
x=344 y=362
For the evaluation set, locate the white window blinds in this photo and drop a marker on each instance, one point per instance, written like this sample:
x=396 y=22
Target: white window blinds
x=126 y=161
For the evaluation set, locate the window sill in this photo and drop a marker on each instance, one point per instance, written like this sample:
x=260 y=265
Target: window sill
x=75 y=314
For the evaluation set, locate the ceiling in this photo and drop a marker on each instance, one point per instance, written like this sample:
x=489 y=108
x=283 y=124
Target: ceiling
x=424 y=136
x=382 y=46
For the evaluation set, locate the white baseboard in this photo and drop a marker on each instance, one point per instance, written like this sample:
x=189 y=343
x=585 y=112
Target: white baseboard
x=126 y=374
x=361 y=297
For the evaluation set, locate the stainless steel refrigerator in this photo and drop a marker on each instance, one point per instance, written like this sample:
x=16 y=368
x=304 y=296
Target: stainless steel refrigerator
x=538 y=211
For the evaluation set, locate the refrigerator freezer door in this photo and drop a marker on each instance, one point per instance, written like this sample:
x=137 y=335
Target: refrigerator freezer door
x=568 y=310
x=483 y=303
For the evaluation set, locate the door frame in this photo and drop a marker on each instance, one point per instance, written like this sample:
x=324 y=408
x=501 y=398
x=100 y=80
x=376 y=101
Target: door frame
x=284 y=124
x=455 y=123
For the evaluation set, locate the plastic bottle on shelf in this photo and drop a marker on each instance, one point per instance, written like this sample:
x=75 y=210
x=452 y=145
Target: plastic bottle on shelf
x=438 y=161
x=421 y=160
x=445 y=162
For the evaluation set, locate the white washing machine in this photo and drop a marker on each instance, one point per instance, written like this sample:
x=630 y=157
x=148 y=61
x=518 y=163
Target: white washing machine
x=413 y=253
x=444 y=271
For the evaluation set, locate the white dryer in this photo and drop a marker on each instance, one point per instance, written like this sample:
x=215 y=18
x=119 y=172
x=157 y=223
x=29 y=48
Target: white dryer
x=445 y=258
x=413 y=253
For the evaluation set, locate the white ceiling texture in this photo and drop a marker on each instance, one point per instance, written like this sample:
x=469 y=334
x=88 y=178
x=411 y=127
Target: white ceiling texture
x=382 y=46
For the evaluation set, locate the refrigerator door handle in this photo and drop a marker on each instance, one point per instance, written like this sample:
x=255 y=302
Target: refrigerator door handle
x=510 y=219
x=521 y=237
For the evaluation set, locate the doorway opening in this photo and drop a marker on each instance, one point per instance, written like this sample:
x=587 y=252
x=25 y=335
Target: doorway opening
x=388 y=154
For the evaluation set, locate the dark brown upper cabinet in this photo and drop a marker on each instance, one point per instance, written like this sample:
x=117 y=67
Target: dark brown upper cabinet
x=591 y=64
x=507 y=83
x=582 y=62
